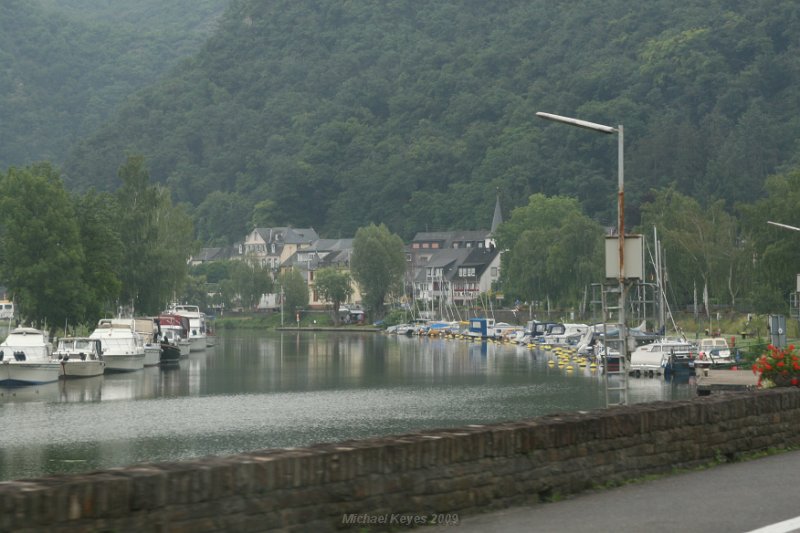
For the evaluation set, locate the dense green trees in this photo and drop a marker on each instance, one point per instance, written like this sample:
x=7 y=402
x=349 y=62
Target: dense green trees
x=249 y=280
x=294 y=290
x=378 y=264
x=72 y=260
x=413 y=114
x=704 y=247
x=776 y=251
x=156 y=239
x=103 y=251
x=333 y=286
x=68 y=64
x=42 y=258
x=553 y=251
x=335 y=115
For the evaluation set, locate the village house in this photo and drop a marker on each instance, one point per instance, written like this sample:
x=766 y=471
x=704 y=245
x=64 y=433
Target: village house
x=323 y=253
x=271 y=247
x=454 y=267
x=449 y=267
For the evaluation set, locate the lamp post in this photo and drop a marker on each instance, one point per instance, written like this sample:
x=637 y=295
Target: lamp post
x=620 y=202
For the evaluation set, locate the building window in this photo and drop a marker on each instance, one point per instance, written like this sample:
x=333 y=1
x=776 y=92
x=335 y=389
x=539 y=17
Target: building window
x=415 y=245
x=435 y=245
x=494 y=272
x=426 y=245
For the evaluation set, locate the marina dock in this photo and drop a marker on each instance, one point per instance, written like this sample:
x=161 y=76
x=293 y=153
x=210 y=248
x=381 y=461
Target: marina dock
x=711 y=380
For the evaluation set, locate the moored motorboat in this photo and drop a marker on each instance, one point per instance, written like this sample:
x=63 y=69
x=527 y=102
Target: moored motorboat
x=79 y=357
x=197 y=324
x=170 y=353
x=662 y=356
x=123 y=349
x=25 y=358
x=175 y=330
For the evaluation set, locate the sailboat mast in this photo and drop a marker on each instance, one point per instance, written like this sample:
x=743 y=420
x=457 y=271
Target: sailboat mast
x=659 y=281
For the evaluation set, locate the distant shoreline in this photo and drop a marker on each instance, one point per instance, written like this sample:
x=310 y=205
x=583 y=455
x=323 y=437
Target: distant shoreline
x=329 y=328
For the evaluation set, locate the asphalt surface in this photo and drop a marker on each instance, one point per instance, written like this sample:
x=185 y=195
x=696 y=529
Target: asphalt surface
x=736 y=497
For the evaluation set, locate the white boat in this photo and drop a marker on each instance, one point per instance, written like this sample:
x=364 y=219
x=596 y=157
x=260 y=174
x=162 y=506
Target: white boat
x=79 y=357
x=653 y=358
x=565 y=334
x=25 y=358
x=6 y=310
x=123 y=349
x=714 y=348
x=148 y=329
x=197 y=324
x=175 y=330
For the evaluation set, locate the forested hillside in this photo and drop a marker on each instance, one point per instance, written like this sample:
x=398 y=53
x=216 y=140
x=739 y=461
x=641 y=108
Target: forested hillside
x=66 y=65
x=333 y=114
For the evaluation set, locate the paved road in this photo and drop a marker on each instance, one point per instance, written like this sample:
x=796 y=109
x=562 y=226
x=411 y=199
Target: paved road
x=739 y=497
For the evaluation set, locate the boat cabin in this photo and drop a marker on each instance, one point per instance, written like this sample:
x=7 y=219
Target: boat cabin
x=482 y=328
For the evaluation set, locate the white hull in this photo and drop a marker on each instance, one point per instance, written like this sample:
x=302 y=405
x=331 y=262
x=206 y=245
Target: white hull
x=185 y=347
x=81 y=369
x=27 y=373
x=198 y=343
x=124 y=362
x=152 y=355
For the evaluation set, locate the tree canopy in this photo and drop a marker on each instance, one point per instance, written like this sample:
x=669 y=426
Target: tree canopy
x=334 y=286
x=412 y=114
x=378 y=264
x=553 y=251
x=68 y=64
x=294 y=290
x=42 y=256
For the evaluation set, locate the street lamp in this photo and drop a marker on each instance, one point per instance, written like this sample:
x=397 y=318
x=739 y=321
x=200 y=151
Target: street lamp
x=620 y=170
x=620 y=204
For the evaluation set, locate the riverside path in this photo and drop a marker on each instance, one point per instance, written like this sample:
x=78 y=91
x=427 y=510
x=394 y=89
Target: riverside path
x=758 y=495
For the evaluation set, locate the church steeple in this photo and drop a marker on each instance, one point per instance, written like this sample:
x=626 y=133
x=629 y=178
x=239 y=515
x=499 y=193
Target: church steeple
x=497 y=219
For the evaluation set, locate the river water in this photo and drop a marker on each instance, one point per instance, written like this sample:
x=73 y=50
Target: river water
x=258 y=390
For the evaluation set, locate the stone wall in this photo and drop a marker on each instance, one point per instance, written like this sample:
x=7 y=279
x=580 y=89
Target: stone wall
x=420 y=478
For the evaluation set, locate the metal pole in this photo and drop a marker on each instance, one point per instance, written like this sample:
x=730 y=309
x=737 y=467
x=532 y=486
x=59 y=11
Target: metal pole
x=621 y=228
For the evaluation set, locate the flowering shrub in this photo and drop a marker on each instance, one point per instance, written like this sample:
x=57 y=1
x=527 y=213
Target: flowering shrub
x=778 y=367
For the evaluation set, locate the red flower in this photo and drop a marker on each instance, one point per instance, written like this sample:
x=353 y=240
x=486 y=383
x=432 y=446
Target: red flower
x=795 y=382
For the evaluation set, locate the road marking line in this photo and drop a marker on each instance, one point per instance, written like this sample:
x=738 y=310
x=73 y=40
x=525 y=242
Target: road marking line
x=793 y=524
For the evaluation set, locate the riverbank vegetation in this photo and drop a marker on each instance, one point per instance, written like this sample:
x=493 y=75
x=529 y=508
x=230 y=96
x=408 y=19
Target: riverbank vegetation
x=409 y=115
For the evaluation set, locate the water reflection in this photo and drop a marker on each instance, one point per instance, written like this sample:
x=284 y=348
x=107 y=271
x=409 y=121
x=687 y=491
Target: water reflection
x=260 y=390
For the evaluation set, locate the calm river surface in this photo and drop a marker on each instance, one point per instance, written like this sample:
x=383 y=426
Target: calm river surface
x=259 y=390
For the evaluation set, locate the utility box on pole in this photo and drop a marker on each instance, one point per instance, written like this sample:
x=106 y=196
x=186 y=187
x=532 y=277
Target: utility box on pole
x=634 y=256
x=777 y=330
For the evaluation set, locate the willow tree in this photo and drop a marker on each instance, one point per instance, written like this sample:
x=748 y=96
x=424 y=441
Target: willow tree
x=552 y=251
x=702 y=244
x=378 y=264
x=776 y=251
